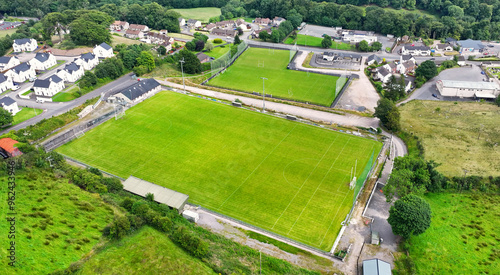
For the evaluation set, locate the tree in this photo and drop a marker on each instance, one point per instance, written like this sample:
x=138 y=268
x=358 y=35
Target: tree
x=147 y=60
x=363 y=46
x=276 y=36
x=326 y=42
x=409 y=216
x=88 y=80
x=190 y=46
x=237 y=40
x=240 y=30
x=5 y=117
x=88 y=33
x=395 y=88
x=161 y=50
x=294 y=17
x=209 y=46
x=264 y=35
x=192 y=64
x=199 y=45
x=388 y=114
x=119 y=228
x=376 y=46
x=427 y=70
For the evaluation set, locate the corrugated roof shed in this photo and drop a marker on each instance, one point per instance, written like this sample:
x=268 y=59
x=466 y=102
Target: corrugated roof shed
x=470 y=84
x=376 y=267
x=138 y=89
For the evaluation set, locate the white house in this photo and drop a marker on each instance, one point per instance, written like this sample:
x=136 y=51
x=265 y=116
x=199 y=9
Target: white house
x=444 y=47
x=43 y=61
x=372 y=59
x=133 y=34
x=138 y=91
x=21 y=72
x=24 y=45
x=103 y=50
x=194 y=23
x=358 y=36
x=119 y=26
x=407 y=57
x=406 y=67
x=5 y=83
x=415 y=50
x=383 y=74
x=278 y=20
x=461 y=61
x=137 y=27
x=10 y=105
x=88 y=61
x=48 y=87
x=71 y=72
x=182 y=22
x=7 y=62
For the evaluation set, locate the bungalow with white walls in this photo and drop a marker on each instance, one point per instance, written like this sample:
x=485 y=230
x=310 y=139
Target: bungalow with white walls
x=21 y=72
x=43 y=61
x=71 y=72
x=103 y=50
x=24 y=45
x=7 y=62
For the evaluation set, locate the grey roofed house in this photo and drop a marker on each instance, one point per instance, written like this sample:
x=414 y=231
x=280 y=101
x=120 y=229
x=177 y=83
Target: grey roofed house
x=376 y=267
x=348 y=55
x=192 y=21
x=3 y=78
x=450 y=40
x=105 y=46
x=138 y=89
x=203 y=57
x=406 y=57
x=45 y=83
x=42 y=57
x=5 y=59
x=471 y=44
x=88 y=56
x=375 y=58
x=72 y=67
x=461 y=58
x=383 y=71
x=7 y=101
x=22 y=41
x=419 y=48
x=21 y=67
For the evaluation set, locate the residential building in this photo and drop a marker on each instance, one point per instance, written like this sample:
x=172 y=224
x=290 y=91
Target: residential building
x=461 y=60
x=452 y=41
x=262 y=21
x=328 y=56
x=7 y=145
x=71 y=72
x=406 y=67
x=240 y=23
x=138 y=91
x=415 y=50
x=468 y=89
x=343 y=56
x=119 y=26
x=103 y=50
x=256 y=33
x=358 y=36
x=225 y=24
x=88 y=61
x=444 y=47
x=407 y=57
x=21 y=72
x=24 y=45
x=157 y=38
x=391 y=67
x=278 y=20
x=376 y=267
x=7 y=62
x=374 y=59
x=167 y=45
x=10 y=105
x=470 y=46
x=5 y=83
x=224 y=32
x=43 y=61
x=203 y=57
x=209 y=27
x=133 y=34
x=182 y=22
x=48 y=87
x=193 y=23
x=164 y=32
x=137 y=27
x=382 y=74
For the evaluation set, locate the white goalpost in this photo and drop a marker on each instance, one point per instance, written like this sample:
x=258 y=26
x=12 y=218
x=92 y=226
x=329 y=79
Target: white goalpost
x=261 y=64
x=352 y=184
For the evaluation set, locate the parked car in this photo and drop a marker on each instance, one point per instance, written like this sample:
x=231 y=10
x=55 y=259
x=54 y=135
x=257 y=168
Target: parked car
x=435 y=95
x=32 y=79
x=15 y=88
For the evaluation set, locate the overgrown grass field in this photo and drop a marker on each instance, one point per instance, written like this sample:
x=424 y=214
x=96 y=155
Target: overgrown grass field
x=460 y=136
x=56 y=224
x=284 y=176
x=246 y=72
x=463 y=237
x=202 y=14
x=147 y=251
x=313 y=41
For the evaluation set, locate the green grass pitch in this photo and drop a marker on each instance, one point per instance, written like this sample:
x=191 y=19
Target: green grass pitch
x=283 y=176
x=246 y=72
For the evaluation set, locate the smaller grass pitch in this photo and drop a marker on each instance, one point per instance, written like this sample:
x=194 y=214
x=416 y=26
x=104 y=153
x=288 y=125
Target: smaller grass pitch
x=246 y=72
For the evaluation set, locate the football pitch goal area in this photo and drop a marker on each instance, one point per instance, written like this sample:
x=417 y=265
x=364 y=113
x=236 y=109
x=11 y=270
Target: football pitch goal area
x=246 y=73
x=283 y=176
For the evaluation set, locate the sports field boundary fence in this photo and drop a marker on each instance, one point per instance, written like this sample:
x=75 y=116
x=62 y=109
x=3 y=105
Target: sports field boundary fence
x=339 y=95
x=222 y=63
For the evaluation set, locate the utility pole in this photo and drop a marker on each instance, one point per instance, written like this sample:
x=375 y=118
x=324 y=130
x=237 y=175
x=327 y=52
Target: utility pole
x=263 y=95
x=182 y=69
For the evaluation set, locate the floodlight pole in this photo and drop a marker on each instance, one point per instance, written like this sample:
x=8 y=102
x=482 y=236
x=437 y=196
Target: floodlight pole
x=182 y=69
x=263 y=95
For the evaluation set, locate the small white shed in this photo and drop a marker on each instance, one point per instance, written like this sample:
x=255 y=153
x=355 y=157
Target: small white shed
x=190 y=215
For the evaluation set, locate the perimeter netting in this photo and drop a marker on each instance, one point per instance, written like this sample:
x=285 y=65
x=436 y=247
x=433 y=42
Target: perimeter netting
x=293 y=52
x=226 y=59
x=340 y=83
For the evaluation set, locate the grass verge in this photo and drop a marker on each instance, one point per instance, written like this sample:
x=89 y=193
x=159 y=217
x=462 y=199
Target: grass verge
x=25 y=114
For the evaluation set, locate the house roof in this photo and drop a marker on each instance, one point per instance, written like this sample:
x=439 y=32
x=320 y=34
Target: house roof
x=3 y=78
x=469 y=43
x=461 y=58
x=407 y=57
x=45 y=83
x=21 y=68
x=408 y=63
x=374 y=57
x=5 y=59
x=192 y=21
x=22 y=41
x=383 y=71
x=469 y=84
x=88 y=56
x=202 y=57
x=8 y=144
x=180 y=19
x=350 y=55
x=105 y=46
x=450 y=40
x=210 y=26
x=137 y=27
x=72 y=67
x=42 y=57
x=138 y=89
x=120 y=23
x=223 y=32
x=416 y=48
x=136 y=32
x=376 y=267
x=443 y=46
x=7 y=101
x=161 y=194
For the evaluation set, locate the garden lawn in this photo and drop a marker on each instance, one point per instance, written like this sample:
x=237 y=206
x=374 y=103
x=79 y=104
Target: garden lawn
x=65 y=96
x=218 y=51
x=147 y=251
x=284 y=176
x=56 y=224
x=25 y=114
x=246 y=72
x=202 y=14
x=307 y=40
x=118 y=39
x=463 y=237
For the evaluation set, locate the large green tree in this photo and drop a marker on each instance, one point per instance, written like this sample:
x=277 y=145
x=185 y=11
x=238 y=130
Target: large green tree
x=409 y=216
x=427 y=70
x=5 y=117
x=363 y=46
x=147 y=60
x=88 y=33
x=326 y=42
x=388 y=114
x=191 y=64
x=394 y=89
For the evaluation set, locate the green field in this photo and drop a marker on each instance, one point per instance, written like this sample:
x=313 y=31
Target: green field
x=218 y=51
x=202 y=14
x=4 y=33
x=459 y=136
x=25 y=114
x=245 y=74
x=56 y=224
x=145 y=252
x=284 y=176
x=65 y=95
x=307 y=40
x=464 y=235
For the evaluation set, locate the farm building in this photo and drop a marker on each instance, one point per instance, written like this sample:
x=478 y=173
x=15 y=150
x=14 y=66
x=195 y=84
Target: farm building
x=376 y=267
x=7 y=146
x=469 y=89
x=161 y=194
x=138 y=91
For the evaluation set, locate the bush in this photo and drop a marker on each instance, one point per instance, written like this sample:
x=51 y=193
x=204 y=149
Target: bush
x=114 y=185
x=217 y=40
x=119 y=228
x=127 y=204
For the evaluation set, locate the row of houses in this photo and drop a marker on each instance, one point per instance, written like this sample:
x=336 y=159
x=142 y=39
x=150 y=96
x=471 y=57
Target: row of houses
x=269 y=22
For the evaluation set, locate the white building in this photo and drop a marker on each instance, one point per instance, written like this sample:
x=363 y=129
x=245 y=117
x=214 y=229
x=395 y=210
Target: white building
x=43 y=61
x=383 y=74
x=48 y=87
x=358 y=36
x=103 y=50
x=416 y=50
x=10 y=105
x=119 y=26
x=193 y=23
x=468 y=89
x=24 y=45
x=21 y=72
x=7 y=62
x=88 y=61
x=470 y=46
x=182 y=22
x=71 y=72
x=5 y=83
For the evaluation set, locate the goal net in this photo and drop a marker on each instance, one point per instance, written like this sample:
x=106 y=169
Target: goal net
x=340 y=83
